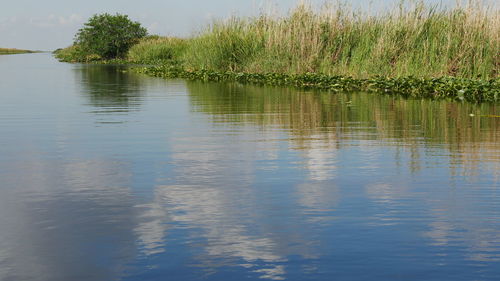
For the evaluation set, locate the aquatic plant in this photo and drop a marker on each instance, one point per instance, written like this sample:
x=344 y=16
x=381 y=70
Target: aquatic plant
x=437 y=88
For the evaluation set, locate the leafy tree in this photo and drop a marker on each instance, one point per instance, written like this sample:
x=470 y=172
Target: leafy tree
x=109 y=36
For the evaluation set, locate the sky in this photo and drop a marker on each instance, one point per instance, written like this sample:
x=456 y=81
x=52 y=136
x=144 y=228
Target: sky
x=51 y=24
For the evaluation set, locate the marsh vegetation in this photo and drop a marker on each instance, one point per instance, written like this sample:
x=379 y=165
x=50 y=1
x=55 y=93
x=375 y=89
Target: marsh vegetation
x=11 y=51
x=417 y=50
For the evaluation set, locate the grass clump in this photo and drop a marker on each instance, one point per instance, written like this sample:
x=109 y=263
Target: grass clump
x=158 y=50
x=231 y=45
x=75 y=53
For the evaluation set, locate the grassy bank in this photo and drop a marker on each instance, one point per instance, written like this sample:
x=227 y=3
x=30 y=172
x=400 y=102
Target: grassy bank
x=7 y=51
x=416 y=50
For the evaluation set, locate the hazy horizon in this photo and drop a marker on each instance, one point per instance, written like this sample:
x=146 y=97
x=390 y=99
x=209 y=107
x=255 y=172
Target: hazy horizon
x=51 y=24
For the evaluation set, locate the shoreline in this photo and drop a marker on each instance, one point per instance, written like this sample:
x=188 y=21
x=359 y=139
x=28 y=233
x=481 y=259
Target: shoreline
x=11 y=51
x=459 y=89
x=420 y=51
x=436 y=88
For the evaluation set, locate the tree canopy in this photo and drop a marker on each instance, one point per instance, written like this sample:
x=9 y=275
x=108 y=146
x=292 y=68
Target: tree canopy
x=109 y=36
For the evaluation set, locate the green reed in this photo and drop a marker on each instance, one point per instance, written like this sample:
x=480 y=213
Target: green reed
x=415 y=40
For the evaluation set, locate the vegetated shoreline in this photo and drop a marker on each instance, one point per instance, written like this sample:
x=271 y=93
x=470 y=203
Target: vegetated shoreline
x=417 y=51
x=11 y=51
x=470 y=90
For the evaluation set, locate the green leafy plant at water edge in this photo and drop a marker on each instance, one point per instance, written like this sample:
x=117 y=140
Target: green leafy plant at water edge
x=437 y=88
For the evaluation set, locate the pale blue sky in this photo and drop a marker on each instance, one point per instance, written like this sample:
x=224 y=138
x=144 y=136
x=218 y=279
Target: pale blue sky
x=50 y=24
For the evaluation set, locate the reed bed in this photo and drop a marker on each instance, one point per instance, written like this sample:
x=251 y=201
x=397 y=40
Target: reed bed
x=413 y=40
x=158 y=50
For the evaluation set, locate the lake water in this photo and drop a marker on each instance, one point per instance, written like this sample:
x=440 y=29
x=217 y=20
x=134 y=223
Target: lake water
x=110 y=175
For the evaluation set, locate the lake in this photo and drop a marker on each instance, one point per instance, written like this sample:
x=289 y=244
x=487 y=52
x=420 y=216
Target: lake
x=110 y=175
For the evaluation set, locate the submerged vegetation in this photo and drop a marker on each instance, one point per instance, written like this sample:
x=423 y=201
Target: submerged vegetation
x=8 y=51
x=417 y=50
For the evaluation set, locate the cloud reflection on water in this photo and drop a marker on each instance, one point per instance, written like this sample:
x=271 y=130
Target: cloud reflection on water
x=57 y=216
x=252 y=181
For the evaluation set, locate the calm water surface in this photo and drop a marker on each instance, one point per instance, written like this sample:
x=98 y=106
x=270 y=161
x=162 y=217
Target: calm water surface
x=109 y=175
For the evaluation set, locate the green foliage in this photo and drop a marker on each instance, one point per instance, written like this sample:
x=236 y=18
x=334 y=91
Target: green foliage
x=436 y=88
x=75 y=54
x=158 y=50
x=418 y=41
x=224 y=46
x=108 y=36
x=419 y=51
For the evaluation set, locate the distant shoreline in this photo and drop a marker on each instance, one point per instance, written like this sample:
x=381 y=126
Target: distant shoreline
x=11 y=51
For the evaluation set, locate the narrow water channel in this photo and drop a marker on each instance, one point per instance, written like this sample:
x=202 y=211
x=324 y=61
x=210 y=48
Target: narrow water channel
x=110 y=175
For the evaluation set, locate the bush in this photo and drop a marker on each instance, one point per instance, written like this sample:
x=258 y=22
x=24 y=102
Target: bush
x=109 y=36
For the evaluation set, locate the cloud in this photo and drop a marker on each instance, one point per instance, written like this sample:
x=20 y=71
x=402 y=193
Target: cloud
x=43 y=22
x=72 y=19
x=56 y=20
x=40 y=32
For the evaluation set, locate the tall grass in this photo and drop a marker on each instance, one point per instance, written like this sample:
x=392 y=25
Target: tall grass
x=157 y=50
x=413 y=40
x=75 y=53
